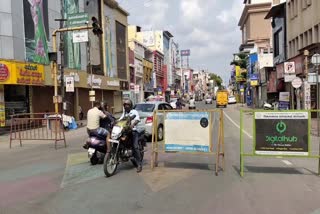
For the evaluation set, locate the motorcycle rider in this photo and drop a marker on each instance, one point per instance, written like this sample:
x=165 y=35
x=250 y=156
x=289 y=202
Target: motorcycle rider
x=128 y=111
x=93 y=123
x=192 y=104
x=109 y=121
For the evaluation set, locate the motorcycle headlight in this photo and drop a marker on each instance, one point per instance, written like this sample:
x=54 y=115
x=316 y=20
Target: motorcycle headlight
x=116 y=132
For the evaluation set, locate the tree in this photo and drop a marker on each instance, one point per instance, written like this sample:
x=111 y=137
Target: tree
x=242 y=62
x=216 y=78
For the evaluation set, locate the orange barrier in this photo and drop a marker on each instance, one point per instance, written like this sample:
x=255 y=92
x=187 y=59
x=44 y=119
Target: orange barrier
x=37 y=126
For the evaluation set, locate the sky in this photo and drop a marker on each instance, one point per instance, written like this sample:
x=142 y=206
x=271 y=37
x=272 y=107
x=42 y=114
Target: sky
x=209 y=28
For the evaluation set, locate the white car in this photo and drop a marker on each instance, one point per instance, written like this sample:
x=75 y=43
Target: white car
x=208 y=100
x=146 y=116
x=232 y=100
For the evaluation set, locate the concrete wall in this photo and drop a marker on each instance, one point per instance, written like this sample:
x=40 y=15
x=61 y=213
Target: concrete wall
x=302 y=25
x=260 y=28
x=12 y=30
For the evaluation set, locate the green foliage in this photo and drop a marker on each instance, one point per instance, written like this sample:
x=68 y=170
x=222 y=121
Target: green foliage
x=242 y=62
x=216 y=78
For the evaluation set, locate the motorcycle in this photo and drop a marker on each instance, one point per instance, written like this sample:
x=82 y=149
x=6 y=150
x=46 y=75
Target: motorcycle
x=96 y=145
x=121 y=146
x=96 y=149
x=268 y=106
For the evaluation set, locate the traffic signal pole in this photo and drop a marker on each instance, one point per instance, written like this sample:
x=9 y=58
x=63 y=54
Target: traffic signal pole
x=57 y=99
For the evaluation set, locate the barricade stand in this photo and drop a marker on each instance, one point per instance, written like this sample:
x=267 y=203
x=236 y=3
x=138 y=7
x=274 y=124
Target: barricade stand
x=189 y=132
x=37 y=126
x=284 y=133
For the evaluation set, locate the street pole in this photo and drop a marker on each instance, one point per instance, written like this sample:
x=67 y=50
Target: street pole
x=54 y=66
x=318 y=122
x=61 y=49
x=292 y=97
x=316 y=61
x=181 y=73
x=89 y=68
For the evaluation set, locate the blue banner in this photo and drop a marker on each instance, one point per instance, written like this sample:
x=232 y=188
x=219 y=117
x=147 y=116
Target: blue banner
x=187 y=115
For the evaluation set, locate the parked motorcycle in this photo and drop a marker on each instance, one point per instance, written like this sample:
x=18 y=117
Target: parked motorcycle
x=121 y=146
x=268 y=106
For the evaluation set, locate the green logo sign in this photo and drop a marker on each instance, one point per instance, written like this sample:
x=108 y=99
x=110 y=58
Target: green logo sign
x=281 y=127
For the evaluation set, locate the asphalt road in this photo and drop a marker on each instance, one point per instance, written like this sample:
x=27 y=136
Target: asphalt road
x=39 y=179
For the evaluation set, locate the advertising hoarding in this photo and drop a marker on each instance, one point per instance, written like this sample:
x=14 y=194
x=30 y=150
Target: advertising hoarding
x=184 y=140
x=282 y=133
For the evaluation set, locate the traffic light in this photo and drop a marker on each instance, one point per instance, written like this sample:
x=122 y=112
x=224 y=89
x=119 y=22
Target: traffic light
x=96 y=26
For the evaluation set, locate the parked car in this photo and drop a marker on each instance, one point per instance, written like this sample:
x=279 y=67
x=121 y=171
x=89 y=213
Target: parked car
x=232 y=100
x=146 y=110
x=208 y=100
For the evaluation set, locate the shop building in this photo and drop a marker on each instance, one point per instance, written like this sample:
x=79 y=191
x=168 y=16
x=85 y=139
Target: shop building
x=20 y=47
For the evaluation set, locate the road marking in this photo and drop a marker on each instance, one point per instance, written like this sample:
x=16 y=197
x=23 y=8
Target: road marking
x=234 y=123
x=287 y=162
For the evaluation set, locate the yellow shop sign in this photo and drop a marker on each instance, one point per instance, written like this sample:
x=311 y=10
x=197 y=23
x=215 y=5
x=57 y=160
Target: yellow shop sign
x=21 y=73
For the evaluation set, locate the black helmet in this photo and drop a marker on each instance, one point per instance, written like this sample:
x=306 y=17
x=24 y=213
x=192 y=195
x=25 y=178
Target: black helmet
x=127 y=104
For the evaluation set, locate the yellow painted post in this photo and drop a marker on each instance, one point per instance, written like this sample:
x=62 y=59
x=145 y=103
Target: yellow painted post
x=211 y=144
x=152 y=142
x=55 y=81
x=222 y=139
x=156 y=137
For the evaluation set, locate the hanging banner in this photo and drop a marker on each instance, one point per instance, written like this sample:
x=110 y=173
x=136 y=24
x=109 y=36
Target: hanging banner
x=69 y=84
x=36 y=31
x=2 y=107
x=71 y=11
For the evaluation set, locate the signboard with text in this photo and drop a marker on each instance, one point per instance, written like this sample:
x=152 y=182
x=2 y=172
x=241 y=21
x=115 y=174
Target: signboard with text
x=21 y=73
x=77 y=19
x=282 y=133
x=69 y=84
x=185 y=52
x=2 y=107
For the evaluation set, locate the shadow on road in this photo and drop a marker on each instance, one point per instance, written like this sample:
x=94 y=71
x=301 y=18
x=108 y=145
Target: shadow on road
x=185 y=165
x=275 y=170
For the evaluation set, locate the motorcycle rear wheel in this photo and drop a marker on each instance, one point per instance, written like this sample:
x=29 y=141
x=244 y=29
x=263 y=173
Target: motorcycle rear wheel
x=94 y=159
x=110 y=164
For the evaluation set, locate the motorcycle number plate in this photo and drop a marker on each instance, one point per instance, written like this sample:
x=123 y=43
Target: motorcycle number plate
x=91 y=150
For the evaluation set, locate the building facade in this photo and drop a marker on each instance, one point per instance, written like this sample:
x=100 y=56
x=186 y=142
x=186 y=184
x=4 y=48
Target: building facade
x=303 y=22
x=256 y=31
x=24 y=48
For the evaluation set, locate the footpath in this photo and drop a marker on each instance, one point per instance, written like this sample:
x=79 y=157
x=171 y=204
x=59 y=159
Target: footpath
x=69 y=134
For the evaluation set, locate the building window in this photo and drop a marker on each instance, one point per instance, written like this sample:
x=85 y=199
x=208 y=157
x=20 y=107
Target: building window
x=316 y=33
x=305 y=43
x=277 y=43
x=297 y=43
x=310 y=39
x=301 y=41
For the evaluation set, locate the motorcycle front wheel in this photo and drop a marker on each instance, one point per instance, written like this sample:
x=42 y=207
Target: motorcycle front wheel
x=110 y=164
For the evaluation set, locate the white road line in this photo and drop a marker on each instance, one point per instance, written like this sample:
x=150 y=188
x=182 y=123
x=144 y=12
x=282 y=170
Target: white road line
x=287 y=162
x=234 y=123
